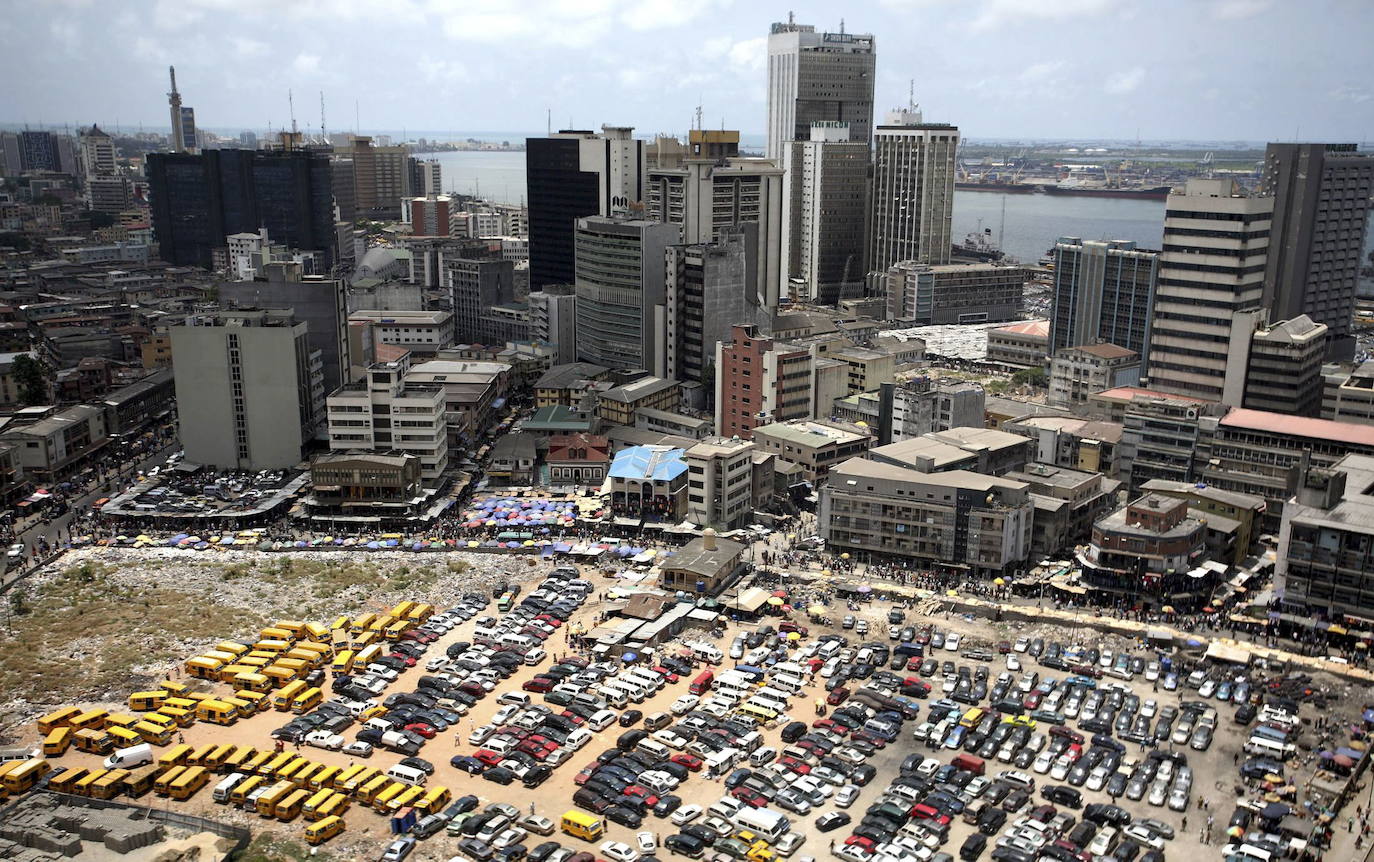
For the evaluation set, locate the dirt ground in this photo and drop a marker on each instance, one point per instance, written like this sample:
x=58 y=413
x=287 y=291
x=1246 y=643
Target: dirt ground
x=368 y=832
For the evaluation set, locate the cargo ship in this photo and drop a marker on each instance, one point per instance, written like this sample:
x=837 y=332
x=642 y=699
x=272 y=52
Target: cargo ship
x=1153 y=193
x=1004 y=188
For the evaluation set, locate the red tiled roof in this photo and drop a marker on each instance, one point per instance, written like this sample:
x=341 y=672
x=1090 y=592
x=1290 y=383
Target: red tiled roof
x=1130 y=393
x=1039 y=328
x=1106 y=351
x=390 y=353
x=1300 y=426
x=598 y=448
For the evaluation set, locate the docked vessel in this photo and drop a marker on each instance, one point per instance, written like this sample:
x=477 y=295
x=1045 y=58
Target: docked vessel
x=1002 y=187
x=1157 y=193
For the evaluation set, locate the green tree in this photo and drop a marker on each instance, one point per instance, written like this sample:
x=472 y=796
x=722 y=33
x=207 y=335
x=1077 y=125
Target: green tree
x=30 y=380
x=1031 y=376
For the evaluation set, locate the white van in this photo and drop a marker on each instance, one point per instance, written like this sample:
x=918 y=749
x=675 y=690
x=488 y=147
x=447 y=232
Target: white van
x=1269 y=748
x=485 y=636
x=517 y=642
x=128 y=758
x=721 y=762
x=578 y=738
x=750 y=741
x=614 y=696
x=407 y=775
x=787 y=683
x=656 y=750
x=628 y=689
x=225 y=788
x=601 y=720
x=707 y=653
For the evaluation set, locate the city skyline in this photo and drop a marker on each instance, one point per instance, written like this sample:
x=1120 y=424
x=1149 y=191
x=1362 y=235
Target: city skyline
x=1183 y=71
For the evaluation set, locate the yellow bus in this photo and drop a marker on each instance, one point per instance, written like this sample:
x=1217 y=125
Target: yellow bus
x=280 y=676
x=307 y=700
x=190 y=782
x=420 y=613
x=65 y=780
x=360 y=624
x=204 y=667
x=93 y=741
x=380 y=622
x=273 y=763
x=91 y=718
x=272 y=646
x=252 y=682
x=341 y=779
x=160 y=720
x=222 y=656
x=153 y=733
x=324 y=650
x=217 y=712
x=317 y=798
x=292 y=771
x=393 y=631
x=186 y=703
x=200 y=754
x=242 y=708
x=244 y=789
x=368 y=791
x=236 y=757
x=972 y=717
x=343 y=661
x=123 y=737
x=177 y=755
x=341 y=623
x=60 y=718
x=366 y=639
x=403 y=609
x=260 y=700
x=174 y=689
x=110 y=785
x=255 y=763
x=232 y=647
x=335 y=805
x=381 y=800
x=267 y=803
x=86 y=784
x=323 y=778
x=266 y=655
x=316 y=632
x=146 y=701
x=56 y=743
x=295 y=665
x=580 y=824
x=23 y=777
x=121 y=719
x=141 y=780
x=256 y=661
x=182 y=717
x=322 y=830
x=274 y=633
x=283 y=697
x=759 y=714
x=367 y=655
x=215 y=759
x=162 y=785
x=434 y=800
x=408 y=797
x=311 y=658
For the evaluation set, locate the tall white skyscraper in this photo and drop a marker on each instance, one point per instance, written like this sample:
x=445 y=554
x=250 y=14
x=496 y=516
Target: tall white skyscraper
x=827 y=204
x=1211 y=287
x=815 y=77
x=913 y=191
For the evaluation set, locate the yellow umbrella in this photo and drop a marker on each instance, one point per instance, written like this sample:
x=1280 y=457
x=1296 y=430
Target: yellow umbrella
x=528 y=543
x=775 y=601
x=472 y=543
x=794 y=636
x=999 y=582
x=826 y=573
x=844 y=556
x=816 y=610
x=951 y=592
x=791 y=536
x=1168 y=609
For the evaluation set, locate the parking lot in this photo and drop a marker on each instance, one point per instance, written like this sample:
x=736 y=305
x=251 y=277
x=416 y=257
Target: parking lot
x=1007 y=724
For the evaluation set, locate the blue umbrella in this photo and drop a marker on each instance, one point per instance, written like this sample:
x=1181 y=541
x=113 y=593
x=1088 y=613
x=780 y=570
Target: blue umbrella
x=391 y=543
x=300 y=543
x=1193 y=642
x=629 y=657
x=417 y=546
x=373 y=545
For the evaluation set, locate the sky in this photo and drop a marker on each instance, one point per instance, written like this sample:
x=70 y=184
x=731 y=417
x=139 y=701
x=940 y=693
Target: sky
x=1204 y=70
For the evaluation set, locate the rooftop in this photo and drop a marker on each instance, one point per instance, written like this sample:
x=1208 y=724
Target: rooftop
x=972 y=438
x=805 y=432
x=563 y=376
x=1106 y=351
x=1088 y=429
x=1130 y=393
x=659 y=463
x=1052 y=476
x=1204 y=491
x=1299 y=426
x=856 y=468
x=694 y=558
x=1355 y=510
x=644 y=387
x=712 y=446
x=1035 y=328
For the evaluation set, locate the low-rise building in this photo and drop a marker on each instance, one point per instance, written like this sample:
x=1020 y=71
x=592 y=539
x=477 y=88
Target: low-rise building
x=668 y=422
x=566 y=384
x=901 y=411
x=1023 y=344
x=1214 y=504
x=1077 y=372
x=814 y=446
x=720 y=482
x=868 y=369
x=1067 y=503
x=59 y=444
x=513 y=459
x=955 y=520
x=388 y=412
x=364 y=487
x=1067 y=441
x=474 y=396
x=927 y=294
x=704 y=566
x=1326 y=545
x=981 y=450
x=416 y=331
x=1149 y=551
x=1348 y=392
x=578 y=459
x=618 y=405
x=649 y=483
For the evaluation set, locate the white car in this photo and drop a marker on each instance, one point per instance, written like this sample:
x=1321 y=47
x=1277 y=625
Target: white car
x=505 y=714
x=952 y=641
x=1144 y=836
x=618 y=851
x=1013 y=663
x=684 y=704
x=601 y=719
x=1022 y=644
x=481 y=734
x=358 y=749
x=845 y=796
x=645 y=842
x=324 y=739
x=512 y=835
x=435 y=663
x=686 y=814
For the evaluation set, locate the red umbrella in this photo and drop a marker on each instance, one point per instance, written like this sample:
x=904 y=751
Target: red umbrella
x=780 y=594
x=1209 y=610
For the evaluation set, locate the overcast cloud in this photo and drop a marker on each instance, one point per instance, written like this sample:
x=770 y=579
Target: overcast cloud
x=1165 y=69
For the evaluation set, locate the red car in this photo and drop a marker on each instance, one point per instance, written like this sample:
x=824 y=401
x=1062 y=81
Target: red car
x=585 y=775
x=421 y=728
x=691 y=761
x=914 y=663
x=837 y=696
x=409 y=660
x=1004 y=647
x=1032 y=700
x=833 y=727
x=572 y=716
x=875 y=741
x=487 y=756
x=861 y=842
x=748 y=797
x=667 y=674
x=550 y=619
x=800 y=767
x=538 y=684
x=650 y=798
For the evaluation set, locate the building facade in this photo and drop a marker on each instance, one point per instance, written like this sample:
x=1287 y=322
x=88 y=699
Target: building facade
x=1321 y=196
x=1025 y=344
x=1326 y=545
x=912 y=203
x=954 y=293
x=1149 y=549
x=620 y=289
x=250 y=391
x=1284 y=369
x=385 y=413
x=318 y=301
x=826 y=198
x=708 y=290
x=815 y=77
x=1211 y=286
x=1077 y=372
x=1104 y=291
x=760 y=380
x=475 y=286
x=720 y=482
x=553 y=319
x=814 y=446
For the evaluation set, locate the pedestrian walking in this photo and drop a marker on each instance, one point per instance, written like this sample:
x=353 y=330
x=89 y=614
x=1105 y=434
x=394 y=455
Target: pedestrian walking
x=1185 y=822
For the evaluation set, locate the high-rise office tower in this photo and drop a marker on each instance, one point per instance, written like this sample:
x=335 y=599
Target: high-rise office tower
x=1211 y=284
x=382 y=177
x=11 y=158
x=38 y=151
x=708 y=291
x=1321 y=198
x=912 y=204
x=553 y=311
x=620 y=276
x=475 y=285
x=826 y=196
x=1104 y=291
x=318 y=301
x=97 y=153
x=707 y=197
x=432 y=178
x=570 y=175
x=198 y=199
x=814 y=77
x=179 y=142
x=188 y=130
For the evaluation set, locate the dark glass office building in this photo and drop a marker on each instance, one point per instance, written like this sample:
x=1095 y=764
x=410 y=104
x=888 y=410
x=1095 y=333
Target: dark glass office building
x=560 y=193
x=199 y=199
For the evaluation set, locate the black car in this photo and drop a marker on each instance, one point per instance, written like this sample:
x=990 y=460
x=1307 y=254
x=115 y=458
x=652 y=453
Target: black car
x=684 y=845
x=419 y=763
x=973 y=847
x=624 y=816
x=705 y=834
x=1067 y=796
x=1110 y=814
x=544 y=851
x=794 y=731
x=499 y=775
x=536 y=776
x=629 y=739
x=667 y=804
x=736 y=778
x=832 y=820
x=629 y=717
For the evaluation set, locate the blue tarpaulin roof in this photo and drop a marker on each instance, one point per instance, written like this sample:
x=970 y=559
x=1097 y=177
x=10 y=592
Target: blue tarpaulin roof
x=648 y=462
